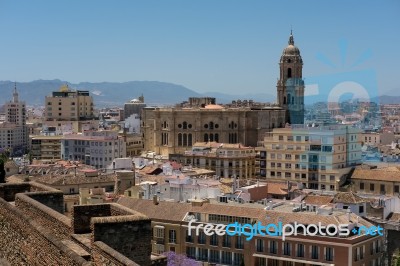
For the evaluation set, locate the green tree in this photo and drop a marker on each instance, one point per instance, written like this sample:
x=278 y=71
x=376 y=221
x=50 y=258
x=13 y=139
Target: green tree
x=3 y=160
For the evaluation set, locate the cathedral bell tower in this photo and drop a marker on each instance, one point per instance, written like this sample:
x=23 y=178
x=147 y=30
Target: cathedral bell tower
x=290 y=86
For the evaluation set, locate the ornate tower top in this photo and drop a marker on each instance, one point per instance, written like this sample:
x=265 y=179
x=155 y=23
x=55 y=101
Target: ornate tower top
x=291 y=41
x=291 y=49
x=15 y=93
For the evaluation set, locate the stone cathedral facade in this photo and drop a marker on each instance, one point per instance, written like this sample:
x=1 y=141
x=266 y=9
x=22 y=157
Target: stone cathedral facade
x=174 y=130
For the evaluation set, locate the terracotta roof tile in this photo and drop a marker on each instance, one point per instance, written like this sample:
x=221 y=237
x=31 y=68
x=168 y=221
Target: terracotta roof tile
x=348 y=197
x=391 y=174
x=318 y=199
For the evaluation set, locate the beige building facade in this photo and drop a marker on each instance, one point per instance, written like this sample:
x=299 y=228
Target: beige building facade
x=227 y=160
x=175 y=130
x=46 y=147
x=318 y=157
x=69 y=105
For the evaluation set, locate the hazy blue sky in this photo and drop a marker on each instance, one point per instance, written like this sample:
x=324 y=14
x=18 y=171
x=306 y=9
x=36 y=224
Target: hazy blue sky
x=217 y=45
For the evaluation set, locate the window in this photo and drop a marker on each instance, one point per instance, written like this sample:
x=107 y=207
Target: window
x=300 y=250
x=314 y=252
x=329 y=254
x=191 y=252
x=382 y=188
x=360 y=209
x=396 y=189
x=239 y=242
x=159 y=231
x=214 y=256
x=237 y=259
x=201 y=238
x=203 y=254
x=226 y=257
x=226 y=241
x=372 y=187
x=287 y=249
x=273 y=247
x=361 y=186
x=172 y=236
x=214 y=240
x=280 y=137
x=260 y=245
x=189 y=238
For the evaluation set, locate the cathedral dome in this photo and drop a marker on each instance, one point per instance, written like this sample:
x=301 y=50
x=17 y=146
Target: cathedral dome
x=291 y=49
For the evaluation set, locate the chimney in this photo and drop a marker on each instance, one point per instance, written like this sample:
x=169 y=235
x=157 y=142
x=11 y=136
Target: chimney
x=348 y=214
x=134 y=173
x=155 y=200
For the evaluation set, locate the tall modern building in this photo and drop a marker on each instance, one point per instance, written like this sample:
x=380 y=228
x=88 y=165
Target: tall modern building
x=290 y=86
x=13 y=130
x=69 y=105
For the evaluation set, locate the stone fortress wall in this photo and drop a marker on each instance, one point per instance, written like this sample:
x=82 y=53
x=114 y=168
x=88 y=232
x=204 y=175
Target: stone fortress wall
x=35 y=231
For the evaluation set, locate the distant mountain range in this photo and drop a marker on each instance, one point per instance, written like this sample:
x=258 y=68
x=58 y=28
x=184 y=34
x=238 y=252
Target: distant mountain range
x=115 y=94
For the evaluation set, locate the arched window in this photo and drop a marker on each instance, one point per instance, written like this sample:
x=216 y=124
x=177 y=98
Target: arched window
x=184 y=125
x=180 y=139
x=206 y=137
x=288 y=99
x=211 y=125
x=190 y=141
x=284 y=100
x=216 y=137
x=184 y=139
x=211 y=137
x=293 y=100
x=289 y=72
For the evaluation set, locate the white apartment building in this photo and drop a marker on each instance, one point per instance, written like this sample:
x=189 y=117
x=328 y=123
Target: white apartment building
x=95 y=148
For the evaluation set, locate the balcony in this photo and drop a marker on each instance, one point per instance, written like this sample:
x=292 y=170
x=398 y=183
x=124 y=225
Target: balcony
x=159 y=240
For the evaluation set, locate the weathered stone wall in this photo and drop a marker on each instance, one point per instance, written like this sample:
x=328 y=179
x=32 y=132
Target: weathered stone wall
x=129 y=235
x=25 y=242
x=53 y=200
x=102 y=254
x=118 y=210
x=58 y=224
x=81 y=215
x=393 y=238
x=8 y=191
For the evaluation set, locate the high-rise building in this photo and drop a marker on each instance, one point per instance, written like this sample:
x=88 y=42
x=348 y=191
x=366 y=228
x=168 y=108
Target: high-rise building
x=69 y=105
x=13 y=130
